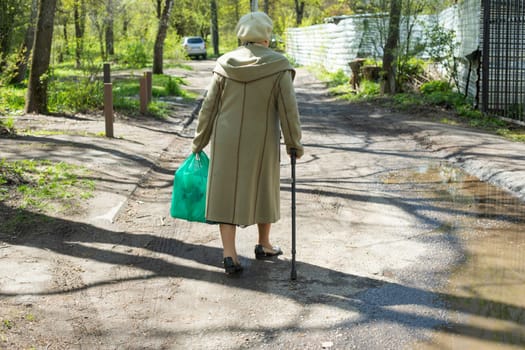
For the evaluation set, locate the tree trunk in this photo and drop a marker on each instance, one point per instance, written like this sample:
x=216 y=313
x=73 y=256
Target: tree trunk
x=254 y=5
x=7 y=16
x=214 y=27
x=28 y=45
x=266 y=7
x=388 y=83
x=79 y=13
x=36 y=99
x=110 y=50
x=159 y=8
x=158 y=53
x=299 y=12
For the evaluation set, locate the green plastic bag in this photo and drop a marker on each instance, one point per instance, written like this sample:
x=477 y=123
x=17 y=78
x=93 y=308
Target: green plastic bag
x=188 y=200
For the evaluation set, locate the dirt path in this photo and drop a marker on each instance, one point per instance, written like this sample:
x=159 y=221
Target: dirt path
x=377 y=243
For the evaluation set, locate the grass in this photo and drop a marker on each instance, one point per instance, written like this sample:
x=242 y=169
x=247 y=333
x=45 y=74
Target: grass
x=60 y=132
x=12 y=99
x=7 y=126
x=126 y=91
x=72 y=90
x=43 y=185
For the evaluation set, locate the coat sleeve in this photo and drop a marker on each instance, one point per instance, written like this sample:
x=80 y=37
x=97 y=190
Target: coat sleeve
x=207 y=114
x=289 y=114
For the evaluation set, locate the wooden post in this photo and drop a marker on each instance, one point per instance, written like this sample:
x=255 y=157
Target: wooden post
x=143 y=95
x=108 y=108
x=108 y=100
x=107 y=73
x=149 y=85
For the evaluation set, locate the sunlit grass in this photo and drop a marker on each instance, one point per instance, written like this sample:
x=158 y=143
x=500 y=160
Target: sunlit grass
x=73 y=90
x=44 y=185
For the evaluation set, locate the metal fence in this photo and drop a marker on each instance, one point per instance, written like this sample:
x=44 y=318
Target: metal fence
x=503 y=58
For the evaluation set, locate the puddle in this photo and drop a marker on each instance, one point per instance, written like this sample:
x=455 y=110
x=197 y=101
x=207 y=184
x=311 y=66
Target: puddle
x=485 y=294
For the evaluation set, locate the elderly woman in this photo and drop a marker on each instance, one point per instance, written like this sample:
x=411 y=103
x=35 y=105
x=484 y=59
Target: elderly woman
x=250 y=101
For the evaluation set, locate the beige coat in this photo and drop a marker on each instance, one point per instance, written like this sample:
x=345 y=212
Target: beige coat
x=250 y=101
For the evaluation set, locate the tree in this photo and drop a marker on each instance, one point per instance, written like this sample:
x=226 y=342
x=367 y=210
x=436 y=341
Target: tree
x=25 y=51
x=158 y=49
x=388 y=83
x=214 y=27
x=12 y=19
x=110 y=50
x=299 y=12
x=36 y=98
x=79 y=14
x=6 y=29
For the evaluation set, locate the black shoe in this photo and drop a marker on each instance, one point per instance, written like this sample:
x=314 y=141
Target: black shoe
x=230 y=267
x=264 y=253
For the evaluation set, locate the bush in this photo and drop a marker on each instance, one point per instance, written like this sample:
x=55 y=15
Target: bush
x=435 y=86
x=337 y=78
x=80 y=96
x=173 y=88
x=410 y=73
x=439 y=92
x=369 y=88
x=12 y=98
x=135 y=55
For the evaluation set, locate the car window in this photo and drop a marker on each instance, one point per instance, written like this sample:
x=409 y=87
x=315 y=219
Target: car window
x=195 y=40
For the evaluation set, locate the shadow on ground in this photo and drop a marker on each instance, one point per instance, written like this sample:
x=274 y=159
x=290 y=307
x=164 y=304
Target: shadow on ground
x=375 y=299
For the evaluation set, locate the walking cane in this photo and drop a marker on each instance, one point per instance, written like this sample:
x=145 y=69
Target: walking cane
x=293 y=153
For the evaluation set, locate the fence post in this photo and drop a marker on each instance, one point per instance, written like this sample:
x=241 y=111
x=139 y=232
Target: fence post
x=485 y=67
x=149 y=85
x=143 y=95
x=108 y=100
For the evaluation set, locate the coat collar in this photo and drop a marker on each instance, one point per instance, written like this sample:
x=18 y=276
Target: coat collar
x=251 y=62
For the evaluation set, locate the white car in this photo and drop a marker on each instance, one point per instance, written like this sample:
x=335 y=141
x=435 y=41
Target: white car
x=194 y=46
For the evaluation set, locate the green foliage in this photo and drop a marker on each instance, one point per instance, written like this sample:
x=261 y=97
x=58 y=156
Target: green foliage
x=441 y=45
x=7 y=125
x=410 y=70
x=449 y=99
x=42 y=184
x=126 y=91
x=332 y=79
x=7 y=324
x=166 y=85
x=173 y=87
x=369 y=61
x=173 y=49
x=369 y=89
x=514 y=135
x=135 y=55
x=435 y=86
x=9 y=69
x=405 y=100
x=159 y=109
x=338 y=84
x=337 y=78
x=75 y=96
x=440 y=93
x=12 y=99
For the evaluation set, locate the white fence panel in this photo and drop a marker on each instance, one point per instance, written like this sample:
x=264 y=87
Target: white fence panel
x=333 y=46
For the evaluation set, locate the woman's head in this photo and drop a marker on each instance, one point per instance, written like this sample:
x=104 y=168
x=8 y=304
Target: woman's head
x=254 y=27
